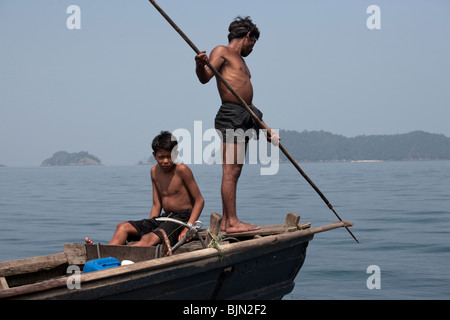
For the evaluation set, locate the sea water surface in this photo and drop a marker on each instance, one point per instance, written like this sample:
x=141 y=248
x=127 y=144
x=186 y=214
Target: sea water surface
x=400 y=211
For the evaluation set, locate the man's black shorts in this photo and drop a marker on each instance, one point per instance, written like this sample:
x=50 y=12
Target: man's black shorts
x=172 y=229
x=233 y=122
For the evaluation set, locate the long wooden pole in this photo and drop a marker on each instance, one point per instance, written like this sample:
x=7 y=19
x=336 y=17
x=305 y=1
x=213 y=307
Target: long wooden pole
x=253 y=115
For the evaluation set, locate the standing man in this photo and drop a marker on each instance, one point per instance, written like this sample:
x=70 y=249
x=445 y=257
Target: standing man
x=228 y=60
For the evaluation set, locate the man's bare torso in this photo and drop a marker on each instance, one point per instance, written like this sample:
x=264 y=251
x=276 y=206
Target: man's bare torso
x=234 y=70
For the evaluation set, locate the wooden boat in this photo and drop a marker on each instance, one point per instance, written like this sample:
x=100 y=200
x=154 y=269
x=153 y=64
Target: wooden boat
x=259 y=264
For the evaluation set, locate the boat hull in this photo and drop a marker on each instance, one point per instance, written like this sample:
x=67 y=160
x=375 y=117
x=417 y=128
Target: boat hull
x=260 y=265
x=262 y=268
x=262 y=274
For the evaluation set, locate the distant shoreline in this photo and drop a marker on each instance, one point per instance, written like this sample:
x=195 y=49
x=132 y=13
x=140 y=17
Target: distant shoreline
x=206 y=164
x=319 y=146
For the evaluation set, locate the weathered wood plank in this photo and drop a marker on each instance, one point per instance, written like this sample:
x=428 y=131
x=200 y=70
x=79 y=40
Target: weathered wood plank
x=291 y=224
x=80 y=253
x=214 y=226
x=75 y=253
x=263 y=231
x=292 y=220
x=334 y=225
x=30 y=265
x=305 y=225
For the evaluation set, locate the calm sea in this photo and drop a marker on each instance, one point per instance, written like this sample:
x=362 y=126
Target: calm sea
x=400 y=211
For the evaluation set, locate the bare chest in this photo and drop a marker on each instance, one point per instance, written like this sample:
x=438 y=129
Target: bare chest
x=236 y=66
x=171 y=186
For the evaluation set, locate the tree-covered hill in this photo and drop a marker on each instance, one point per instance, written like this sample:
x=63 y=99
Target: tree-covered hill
x=63 y=158
x=326 y=146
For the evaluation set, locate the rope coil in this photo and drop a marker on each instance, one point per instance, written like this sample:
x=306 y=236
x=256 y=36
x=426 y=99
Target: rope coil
x=215 y=243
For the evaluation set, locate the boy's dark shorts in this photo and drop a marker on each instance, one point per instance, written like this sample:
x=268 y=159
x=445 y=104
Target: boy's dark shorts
x=172 y=229
x=233 y=117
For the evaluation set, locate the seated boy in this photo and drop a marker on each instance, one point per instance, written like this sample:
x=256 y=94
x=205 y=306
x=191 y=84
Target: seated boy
x=174 y=190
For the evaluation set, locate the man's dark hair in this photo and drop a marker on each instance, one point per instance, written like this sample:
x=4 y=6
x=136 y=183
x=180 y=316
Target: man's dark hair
x=240 y=27
x=164 y=141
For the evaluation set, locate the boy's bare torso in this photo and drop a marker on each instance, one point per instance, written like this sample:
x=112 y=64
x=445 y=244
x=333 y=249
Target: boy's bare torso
x=172 y=191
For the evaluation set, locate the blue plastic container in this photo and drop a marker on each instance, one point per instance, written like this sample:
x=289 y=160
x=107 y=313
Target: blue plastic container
x=100 y=264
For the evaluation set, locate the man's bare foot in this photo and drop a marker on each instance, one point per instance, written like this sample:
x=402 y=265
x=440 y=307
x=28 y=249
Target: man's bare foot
x=241 y=227
x=88 y=241
x=223 y=225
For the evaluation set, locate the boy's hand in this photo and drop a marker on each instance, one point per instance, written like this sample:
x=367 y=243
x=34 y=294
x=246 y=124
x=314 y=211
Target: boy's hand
x=183 y=233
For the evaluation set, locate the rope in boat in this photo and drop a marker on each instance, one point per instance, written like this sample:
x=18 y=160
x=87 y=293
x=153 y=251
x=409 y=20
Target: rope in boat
x=215 y=243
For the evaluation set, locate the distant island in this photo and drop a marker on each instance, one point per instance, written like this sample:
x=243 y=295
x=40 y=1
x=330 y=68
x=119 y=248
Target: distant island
x=325 y=146
x=63 y=158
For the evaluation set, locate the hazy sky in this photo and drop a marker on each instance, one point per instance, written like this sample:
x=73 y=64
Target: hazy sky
x=111 y=86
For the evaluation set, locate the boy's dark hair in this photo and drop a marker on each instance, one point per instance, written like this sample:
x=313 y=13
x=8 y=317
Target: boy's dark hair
x=164 y=141
x=240 y=27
